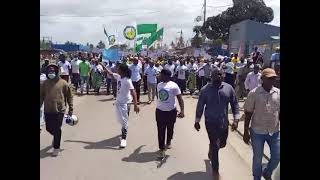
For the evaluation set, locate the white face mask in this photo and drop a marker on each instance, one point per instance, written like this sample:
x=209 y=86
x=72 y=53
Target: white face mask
x=51 y=75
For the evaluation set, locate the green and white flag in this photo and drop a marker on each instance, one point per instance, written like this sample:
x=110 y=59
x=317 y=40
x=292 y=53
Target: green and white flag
x=146 y=28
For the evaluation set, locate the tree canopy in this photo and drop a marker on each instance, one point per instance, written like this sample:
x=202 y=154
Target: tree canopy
x=217 y=27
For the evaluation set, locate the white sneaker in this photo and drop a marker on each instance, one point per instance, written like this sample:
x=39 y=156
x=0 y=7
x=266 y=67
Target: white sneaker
x=56 y=152
x=123 y=143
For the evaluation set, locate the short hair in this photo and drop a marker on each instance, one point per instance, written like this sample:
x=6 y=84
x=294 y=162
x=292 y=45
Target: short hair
x=166 y=72
x=125 y=69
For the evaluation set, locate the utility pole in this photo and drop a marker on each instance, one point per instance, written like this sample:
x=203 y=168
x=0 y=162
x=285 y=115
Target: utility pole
x=204 y=12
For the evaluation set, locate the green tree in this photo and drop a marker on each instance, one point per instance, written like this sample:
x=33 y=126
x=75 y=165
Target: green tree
x=217 y=27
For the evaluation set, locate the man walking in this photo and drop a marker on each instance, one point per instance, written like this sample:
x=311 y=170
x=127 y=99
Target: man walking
x=253 y=79
x=136 y=71
x=109 y=78
x=65 y=67
x=84 y=69
x=55 y=93
x=262 y=108
x=241 y=77
x=216 y=96
x=182 y=74
x=166 y=112
x=151 y=74
x=75 y=71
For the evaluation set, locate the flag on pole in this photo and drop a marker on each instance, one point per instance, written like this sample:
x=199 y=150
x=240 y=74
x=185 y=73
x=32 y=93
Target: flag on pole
x=146 y=28
x=105 y=32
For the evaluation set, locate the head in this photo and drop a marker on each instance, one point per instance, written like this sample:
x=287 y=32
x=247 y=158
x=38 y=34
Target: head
x=217 y=76
x=135 y=61
x=110 y=63
x=170 y=62
x=124 y=71
x=249 y=62
x=151 y=63
x=242 y=60
x=236 y=55
x=46 y=61
x=157 y=64
x=52 y=71
x=192 y=61
x=256 y=68
x=255 y=49
x=268 y=78
x=182 y=63
x=62 y=57
x=165 y=75
x=278 y=50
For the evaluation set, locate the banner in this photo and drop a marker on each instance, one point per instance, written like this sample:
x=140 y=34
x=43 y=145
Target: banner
x=146 y=28
x=111 y=54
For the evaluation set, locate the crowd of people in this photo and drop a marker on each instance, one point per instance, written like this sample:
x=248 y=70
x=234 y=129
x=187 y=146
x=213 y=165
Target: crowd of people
x=218 y=81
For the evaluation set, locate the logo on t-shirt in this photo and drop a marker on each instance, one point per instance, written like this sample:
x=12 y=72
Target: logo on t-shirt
x=163 y=95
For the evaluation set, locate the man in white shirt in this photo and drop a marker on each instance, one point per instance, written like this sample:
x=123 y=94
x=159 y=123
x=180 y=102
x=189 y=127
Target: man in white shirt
x=110 y=66
x=170 y=66
x=145 y=67
x=65 y=67
x=166 y=112
x=200 y=75
x=253 y=79
x=151 y=74
x=75 y=71
x=136 y=71
x=182 y=73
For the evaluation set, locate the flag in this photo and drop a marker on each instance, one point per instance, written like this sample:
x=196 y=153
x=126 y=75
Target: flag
x=105 y=32
x=111 y=54
x=146 y=28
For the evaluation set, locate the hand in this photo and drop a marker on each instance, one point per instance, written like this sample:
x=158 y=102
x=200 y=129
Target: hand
x=197 y=126
x=70 y=113
x=136 y=109
x=246 y=137
x=234 y=125
x=180 y=115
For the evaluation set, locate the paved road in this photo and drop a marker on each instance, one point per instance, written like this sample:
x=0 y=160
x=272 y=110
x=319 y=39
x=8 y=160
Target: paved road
x=91 y=148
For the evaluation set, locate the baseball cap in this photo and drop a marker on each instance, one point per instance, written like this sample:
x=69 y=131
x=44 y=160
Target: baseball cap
x=268 y=72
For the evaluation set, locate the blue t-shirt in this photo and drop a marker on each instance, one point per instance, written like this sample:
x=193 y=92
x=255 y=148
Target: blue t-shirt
x=135 y=72
x=275 y=57
x=152 y=74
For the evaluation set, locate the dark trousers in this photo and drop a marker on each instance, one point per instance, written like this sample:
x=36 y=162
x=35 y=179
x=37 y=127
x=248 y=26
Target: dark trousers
x=145 y=84
x=65 y=77
x=229 y=78
x=108 y=81
x=137 y=86
x=182 y=84
x=53 y=126
x=200 y=82
x=76 y=80
x=218 y=139
x=165 y=122
x=114 y=88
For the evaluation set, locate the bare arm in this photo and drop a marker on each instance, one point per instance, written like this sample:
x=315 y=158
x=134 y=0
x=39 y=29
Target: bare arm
x=134 y=95
x=181 y=103
x=106 y=70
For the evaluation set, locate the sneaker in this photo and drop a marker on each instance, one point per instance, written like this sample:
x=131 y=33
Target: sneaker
x=168 y=146
x=56 y=152
x=162 y=154
x=123 y=143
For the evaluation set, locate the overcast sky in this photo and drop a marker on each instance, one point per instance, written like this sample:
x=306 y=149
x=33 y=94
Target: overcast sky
x=82 y=21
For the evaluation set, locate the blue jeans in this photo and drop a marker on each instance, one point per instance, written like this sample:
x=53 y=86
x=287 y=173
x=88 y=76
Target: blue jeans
x=258 y=141
x=84 y=81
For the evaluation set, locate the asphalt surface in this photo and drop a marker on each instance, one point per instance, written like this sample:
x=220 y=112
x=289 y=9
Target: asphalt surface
x=90 y=149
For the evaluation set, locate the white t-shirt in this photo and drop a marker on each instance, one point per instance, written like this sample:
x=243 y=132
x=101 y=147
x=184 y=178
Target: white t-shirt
x=170 y=68
x=75 y=66
x=182 y=71
x=64 y=67
x=124 y=85
x=167 y=93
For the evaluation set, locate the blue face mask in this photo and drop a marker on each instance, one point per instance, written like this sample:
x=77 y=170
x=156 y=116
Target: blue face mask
x=51 y=75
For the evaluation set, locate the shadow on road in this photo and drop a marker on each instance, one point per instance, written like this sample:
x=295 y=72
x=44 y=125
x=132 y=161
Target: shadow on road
x=105 y=100
x=194 y=175
x=138 y=157
x=44 y=152
x=112 y=143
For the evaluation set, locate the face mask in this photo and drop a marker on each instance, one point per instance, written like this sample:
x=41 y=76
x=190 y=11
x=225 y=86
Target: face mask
x=51 y=75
